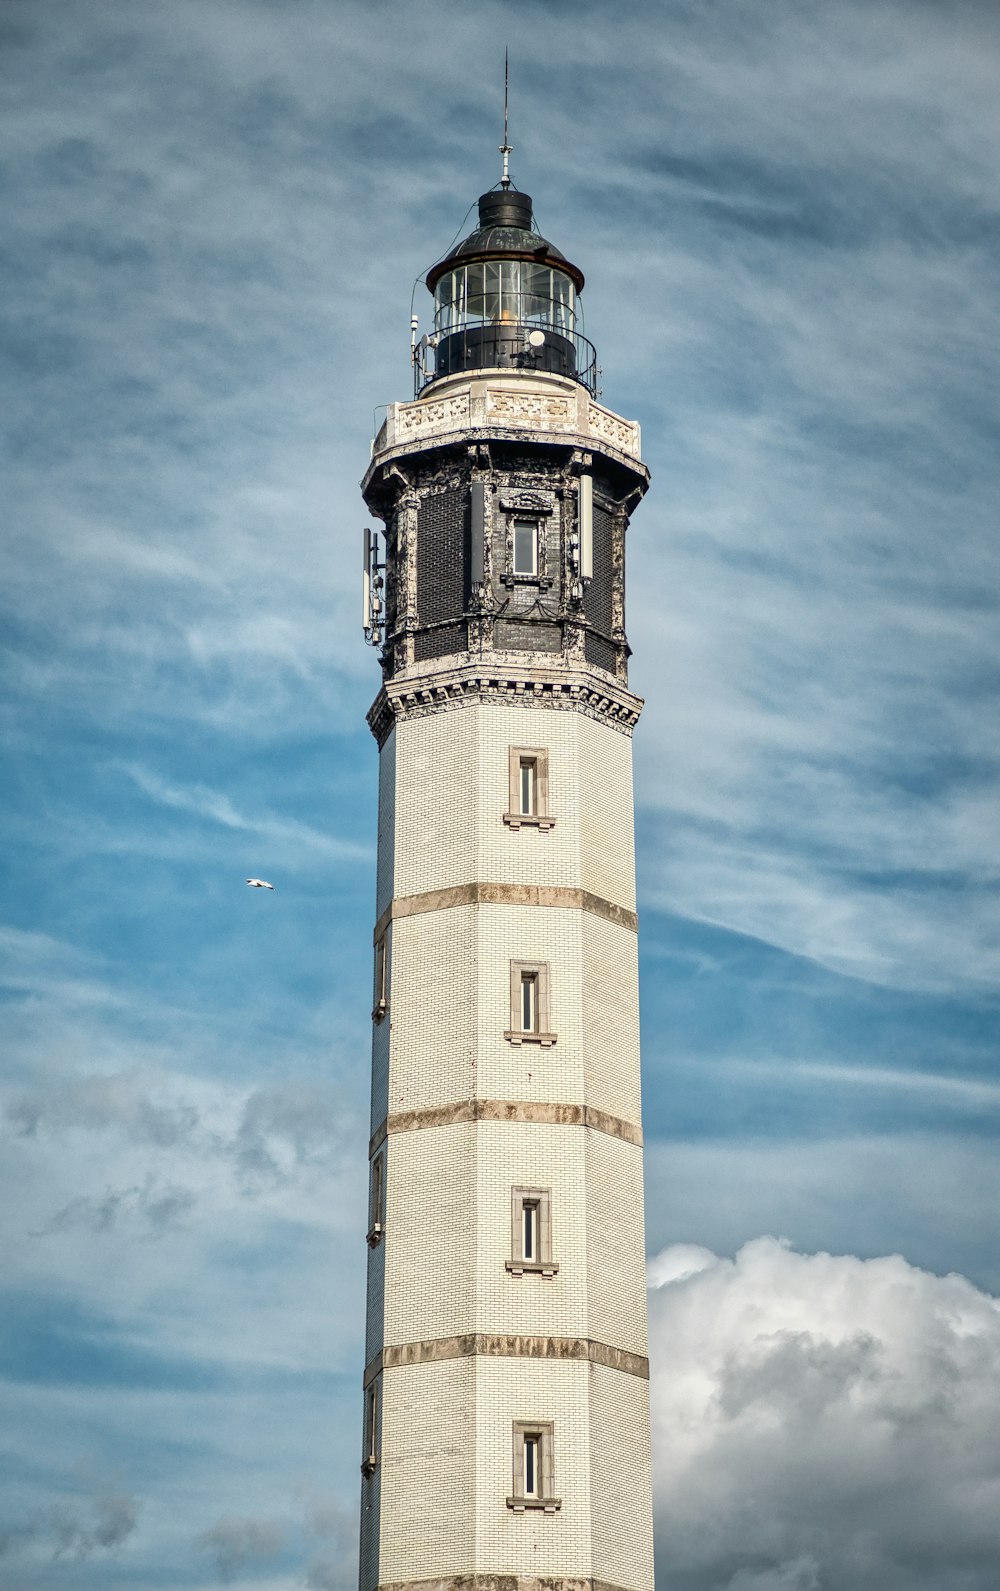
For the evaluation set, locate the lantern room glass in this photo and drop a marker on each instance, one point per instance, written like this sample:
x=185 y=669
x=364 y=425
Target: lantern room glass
x=516 y=292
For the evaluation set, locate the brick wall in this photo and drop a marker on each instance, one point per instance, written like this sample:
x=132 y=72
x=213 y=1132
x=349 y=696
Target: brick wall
x=439 y=1273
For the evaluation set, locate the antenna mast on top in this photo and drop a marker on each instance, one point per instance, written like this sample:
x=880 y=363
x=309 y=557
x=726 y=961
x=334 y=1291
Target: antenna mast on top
x=505 y=148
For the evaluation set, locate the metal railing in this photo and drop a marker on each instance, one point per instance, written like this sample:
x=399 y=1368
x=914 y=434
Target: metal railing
x=510 y=345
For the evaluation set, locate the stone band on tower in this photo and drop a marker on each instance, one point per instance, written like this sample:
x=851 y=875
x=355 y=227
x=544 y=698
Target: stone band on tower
x=506 y=1423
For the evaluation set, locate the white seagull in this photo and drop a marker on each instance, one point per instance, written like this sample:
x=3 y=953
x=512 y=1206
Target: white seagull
x=259 y=883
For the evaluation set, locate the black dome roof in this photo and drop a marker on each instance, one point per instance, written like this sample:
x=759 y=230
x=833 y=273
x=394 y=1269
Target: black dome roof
x=506 y=230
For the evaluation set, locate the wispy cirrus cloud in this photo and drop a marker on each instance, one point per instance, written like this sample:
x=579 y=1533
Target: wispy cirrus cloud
x=945 y=1089
x=216 y=807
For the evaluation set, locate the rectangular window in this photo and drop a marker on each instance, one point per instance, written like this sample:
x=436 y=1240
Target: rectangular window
x=528 y=788
x=376 y=1203
x=533 y=1471
x=380 y=1004
x=532 y=1443
x=531 y=1233
x=529 y=1004
x=526 y=547
x=527 y=791
x=529 y=1229
x=370 y=1460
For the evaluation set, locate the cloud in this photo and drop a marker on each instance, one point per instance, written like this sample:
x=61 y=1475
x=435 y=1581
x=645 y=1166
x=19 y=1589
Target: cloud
x=929 y=1194
x=114 y=1516
x=218 y=808
x=234 y=1544
x=330 y=1575
x=337 y=1568
x=264 y=1140
x=40 y=968
x=284 y=1130
x=134 y=1104
x=154 y=1206
x=211 y=227
x=823 y=1422
x=100 y=1519
x=959 y=1093
x=820 y=772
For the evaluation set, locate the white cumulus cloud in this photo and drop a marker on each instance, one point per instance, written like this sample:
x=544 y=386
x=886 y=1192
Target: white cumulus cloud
x=823 y=1423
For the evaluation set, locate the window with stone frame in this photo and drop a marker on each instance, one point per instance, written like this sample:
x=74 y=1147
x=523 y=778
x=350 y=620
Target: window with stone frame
x=376 y=1200
x=529 y=1004
x=528 y=788
x=531 y=1233
x=533 y=1468
x=369 y=1462
x=380 y=994
x=527 y=513
x=525 y=549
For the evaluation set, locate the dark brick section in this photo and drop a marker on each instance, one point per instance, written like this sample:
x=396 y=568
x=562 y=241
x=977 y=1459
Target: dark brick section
x=433 y=615
x=428 y=644
x=600 y=652
x=530 y=637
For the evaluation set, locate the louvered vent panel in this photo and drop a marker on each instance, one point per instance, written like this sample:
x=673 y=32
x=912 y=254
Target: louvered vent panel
x=443 y=556
x=597 y=603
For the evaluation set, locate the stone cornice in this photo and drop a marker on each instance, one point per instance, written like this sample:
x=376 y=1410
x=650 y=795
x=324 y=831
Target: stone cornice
x=485 y=894
x=502 y=1582
x=506 y=406
x=543 y=1112
x=505 y=1345
x=498 y=679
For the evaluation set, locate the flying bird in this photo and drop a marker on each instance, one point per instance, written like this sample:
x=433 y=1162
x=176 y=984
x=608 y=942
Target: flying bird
x=259 y=883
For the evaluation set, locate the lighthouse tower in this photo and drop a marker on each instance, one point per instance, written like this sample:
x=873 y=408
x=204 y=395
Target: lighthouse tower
x=506 y=1423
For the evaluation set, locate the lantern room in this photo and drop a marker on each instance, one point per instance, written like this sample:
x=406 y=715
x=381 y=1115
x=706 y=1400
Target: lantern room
x=505 y=299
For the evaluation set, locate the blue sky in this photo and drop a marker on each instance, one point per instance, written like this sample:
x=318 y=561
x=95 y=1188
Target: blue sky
x=214 y=215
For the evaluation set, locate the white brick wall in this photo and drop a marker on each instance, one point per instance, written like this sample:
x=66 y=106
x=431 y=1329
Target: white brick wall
x=532 y=1543
x=450 y=1007
x=432 y=1001
x=453 y=791
x=536 y=1156
x=527 y=1071
x=431 y=1233
x=448 y=1235
x=621 y=1479
x=386 y=824
x=440 y=1272
x=381 y=1040
x=616 y=1277
x=428 y=1478
x=371 y=1499
x=446 y=1473
x=375 y=1317
x=609 y=1003
x=607 y=844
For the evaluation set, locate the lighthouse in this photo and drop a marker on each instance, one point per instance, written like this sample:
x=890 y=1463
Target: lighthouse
x=505 y=1390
